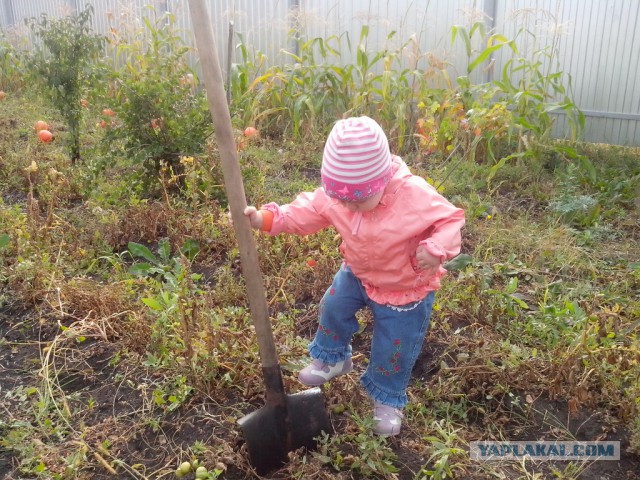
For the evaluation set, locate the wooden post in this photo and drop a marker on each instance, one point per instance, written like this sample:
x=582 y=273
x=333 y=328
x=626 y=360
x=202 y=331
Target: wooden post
x=490 y=9
x=229 y=61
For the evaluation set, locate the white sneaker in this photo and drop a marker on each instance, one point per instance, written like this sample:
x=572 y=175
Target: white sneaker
x=318 y=373
x=388 y=419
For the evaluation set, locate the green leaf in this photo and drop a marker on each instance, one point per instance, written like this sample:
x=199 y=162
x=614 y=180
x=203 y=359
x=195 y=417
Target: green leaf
x=153 y=304
x=4 y=240
x=501 y=163
x=457 y=30
x=364 y=33
x=460 y=262
x=478 y=26
x=138 y=250
x=190 y=249
x=485 y=54
x=588 y=167
x=497 y=38
x=521 y=303
x=140 y=269
x=164 y=249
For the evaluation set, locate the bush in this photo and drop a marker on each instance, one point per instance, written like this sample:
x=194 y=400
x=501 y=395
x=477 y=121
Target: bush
x=161 y=114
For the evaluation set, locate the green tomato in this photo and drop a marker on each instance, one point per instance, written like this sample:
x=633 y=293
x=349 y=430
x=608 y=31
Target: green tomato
x=179 y=474
x=339 y=408
x=184 y=468
x=202 y=472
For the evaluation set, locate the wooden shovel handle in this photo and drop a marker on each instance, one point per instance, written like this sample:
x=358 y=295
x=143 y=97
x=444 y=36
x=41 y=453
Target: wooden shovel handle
x=213 y=82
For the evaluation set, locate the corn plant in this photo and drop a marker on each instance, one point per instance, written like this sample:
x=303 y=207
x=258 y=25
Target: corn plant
x=243 y=74
x=317 y=87
x=532 y=88
x=365 y=76
x=314 y=89
x=535 y=90
x=297 y=96
x=484 y=119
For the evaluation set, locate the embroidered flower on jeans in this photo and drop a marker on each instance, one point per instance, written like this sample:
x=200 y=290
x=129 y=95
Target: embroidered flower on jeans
x=327 y=332
x=393 y=366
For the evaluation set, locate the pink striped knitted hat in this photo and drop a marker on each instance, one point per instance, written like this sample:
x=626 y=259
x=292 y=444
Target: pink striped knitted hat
x=356 y=163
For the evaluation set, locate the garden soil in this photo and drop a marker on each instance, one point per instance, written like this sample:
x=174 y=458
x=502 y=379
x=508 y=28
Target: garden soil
x=117 y=407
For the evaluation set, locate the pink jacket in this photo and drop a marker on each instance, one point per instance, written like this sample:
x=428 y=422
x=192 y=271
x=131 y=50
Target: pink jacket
x=380 y=246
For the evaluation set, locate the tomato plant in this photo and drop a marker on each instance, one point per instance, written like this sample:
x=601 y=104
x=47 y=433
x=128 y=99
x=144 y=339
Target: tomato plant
x=62 y=65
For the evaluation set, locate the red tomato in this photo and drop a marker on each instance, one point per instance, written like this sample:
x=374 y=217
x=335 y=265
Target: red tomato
x=41 y=125
x=45 y=135
x=250 y=132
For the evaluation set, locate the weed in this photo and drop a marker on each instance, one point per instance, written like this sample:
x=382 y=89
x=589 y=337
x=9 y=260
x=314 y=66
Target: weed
x=371 y=455
x=172 y=394
x=443 y=452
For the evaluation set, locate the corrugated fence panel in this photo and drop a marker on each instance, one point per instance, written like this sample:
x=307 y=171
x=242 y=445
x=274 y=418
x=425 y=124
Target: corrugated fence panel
x=596 y=42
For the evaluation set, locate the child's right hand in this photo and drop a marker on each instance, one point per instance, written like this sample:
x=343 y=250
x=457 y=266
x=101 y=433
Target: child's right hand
x=255 y=216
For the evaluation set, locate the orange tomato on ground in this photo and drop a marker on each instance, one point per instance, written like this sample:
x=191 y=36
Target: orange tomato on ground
x=108 y=112
x=41 y=125
x=45 y=136
x=250 y=132
x=2 y=95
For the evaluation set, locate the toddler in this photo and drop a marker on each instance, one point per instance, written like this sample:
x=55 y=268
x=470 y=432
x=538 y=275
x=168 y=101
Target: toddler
x=396 y=231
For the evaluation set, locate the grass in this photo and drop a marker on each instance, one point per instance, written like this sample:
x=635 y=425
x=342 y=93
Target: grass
x=116 y=368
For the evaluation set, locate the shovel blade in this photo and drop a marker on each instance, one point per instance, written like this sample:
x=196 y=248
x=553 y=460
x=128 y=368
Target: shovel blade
x=273 y=431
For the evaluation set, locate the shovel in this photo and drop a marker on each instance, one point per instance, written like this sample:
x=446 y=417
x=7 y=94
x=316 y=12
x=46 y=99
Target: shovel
x=286 y=422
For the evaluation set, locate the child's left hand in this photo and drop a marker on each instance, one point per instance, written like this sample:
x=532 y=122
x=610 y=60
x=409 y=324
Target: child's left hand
x=426 y=261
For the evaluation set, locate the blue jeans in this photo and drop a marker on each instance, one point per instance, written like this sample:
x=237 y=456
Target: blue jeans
x=398 y=335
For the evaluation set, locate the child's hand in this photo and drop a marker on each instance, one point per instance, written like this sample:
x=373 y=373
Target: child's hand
x=255 y=216
x=426 y=261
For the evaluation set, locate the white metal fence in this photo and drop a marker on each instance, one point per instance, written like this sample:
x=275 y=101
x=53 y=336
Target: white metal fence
x=597 y=41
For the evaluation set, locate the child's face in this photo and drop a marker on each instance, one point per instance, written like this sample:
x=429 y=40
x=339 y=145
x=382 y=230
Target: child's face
x=365 y=205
